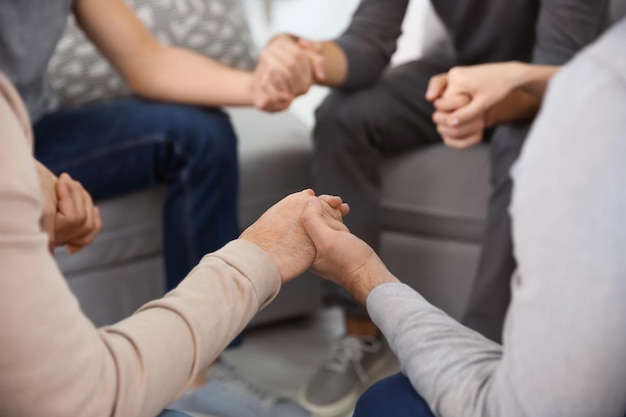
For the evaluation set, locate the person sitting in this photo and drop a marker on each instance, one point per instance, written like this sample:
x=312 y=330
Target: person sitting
x=171 y=132
x=564 y=338
x=54 y=362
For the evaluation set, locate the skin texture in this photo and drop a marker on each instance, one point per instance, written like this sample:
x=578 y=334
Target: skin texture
x=280 y=231
x=340 y=256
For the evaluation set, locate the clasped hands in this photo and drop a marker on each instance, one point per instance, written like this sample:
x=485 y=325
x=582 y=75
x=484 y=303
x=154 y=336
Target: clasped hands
x=464 y=100
x=303 y=231
x=287 y=68
x=69 y=216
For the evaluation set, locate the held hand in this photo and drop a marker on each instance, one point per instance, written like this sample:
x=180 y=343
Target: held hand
x=281 y=234
x=462 y=135
x=69 y=216
x=77 y=220
x=285 y=71
x=485 y=85
x=340 y=256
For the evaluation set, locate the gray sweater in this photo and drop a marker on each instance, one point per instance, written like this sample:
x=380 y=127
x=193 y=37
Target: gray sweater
x=547 y=32
x=29 y=32
x=565 y=333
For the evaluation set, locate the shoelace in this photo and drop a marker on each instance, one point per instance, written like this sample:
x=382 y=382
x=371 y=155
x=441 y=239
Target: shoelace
x=350 y=350
x=226 y=373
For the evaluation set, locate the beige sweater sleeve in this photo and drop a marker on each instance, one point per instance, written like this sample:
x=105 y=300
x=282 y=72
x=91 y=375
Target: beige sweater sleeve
x=53 y=361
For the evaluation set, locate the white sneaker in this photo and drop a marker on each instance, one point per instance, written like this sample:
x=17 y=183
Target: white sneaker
x=353 y=364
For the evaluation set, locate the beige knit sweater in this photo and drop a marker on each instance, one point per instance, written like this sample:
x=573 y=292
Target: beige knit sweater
x=53 y=361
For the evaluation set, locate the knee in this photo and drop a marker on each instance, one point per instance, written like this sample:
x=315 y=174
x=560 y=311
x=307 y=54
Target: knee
x=340 y=119
x=206 y=136
x=392 y=396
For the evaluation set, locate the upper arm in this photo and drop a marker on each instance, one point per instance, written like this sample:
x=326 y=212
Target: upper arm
x=370 y=40
x=117 y=33
x=564 y=27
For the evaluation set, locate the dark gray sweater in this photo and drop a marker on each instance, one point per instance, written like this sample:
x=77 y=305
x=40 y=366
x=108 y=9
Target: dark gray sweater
x=481 y=31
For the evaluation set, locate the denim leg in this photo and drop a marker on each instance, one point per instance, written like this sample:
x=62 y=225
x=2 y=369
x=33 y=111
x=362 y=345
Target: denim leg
x=392 y=396
x=131 y=144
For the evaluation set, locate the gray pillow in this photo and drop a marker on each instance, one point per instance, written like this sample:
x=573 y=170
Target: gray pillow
x=78 y=74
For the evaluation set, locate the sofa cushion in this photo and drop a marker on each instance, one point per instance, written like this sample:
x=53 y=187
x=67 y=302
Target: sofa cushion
x=131 y=231
x=215 y=28
x=437 y=191
x=274 y=159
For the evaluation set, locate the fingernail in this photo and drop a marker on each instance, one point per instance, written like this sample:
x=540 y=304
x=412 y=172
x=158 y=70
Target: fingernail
x=454 y=121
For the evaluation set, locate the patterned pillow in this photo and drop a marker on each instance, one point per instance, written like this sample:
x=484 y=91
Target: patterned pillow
x=216 y=28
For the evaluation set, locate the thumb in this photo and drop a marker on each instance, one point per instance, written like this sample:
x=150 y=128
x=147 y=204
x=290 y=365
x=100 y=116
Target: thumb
x=314 y=222
x=436 y=87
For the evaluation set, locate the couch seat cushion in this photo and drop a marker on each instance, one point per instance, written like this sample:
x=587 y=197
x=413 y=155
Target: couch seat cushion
x=437 y=192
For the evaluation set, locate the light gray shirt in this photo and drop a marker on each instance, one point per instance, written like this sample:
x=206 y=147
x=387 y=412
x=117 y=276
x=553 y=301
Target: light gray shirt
x=565 y=333
x=29 y=32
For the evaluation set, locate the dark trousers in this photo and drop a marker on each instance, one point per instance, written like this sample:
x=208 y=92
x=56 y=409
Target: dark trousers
x=127 y=145
x=392 y=396
x=356 y=131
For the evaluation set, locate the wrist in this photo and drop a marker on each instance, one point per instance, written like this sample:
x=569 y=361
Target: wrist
x=247 y=83
x=516 y=74
x=370 y=276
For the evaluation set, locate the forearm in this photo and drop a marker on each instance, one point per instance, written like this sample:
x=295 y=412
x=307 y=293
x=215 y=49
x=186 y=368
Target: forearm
x=518 y=106
x=135 y=367
x=335 y=65
x=179 y=75
x=531 y=78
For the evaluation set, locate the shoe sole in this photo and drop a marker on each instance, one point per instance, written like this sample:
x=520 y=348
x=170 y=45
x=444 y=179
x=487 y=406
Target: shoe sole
x=340 y=408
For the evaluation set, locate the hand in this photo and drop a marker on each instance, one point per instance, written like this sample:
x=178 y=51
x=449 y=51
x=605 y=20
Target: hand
x=69 y=216
x=485 y=85
x=287 y=69
x=461 y=135
x=455 y=134
x=77 y=220
x=280 y=232
x=340 y=256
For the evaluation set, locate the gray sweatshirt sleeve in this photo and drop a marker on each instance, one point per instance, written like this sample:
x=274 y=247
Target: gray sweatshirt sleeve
x=370 y=40
x=565 y=339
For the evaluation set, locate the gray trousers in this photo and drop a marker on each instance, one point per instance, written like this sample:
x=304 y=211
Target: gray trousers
x=356 y=131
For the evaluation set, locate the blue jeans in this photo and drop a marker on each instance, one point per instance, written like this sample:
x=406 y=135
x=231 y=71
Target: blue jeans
x=127 y=145
x=393 y=396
